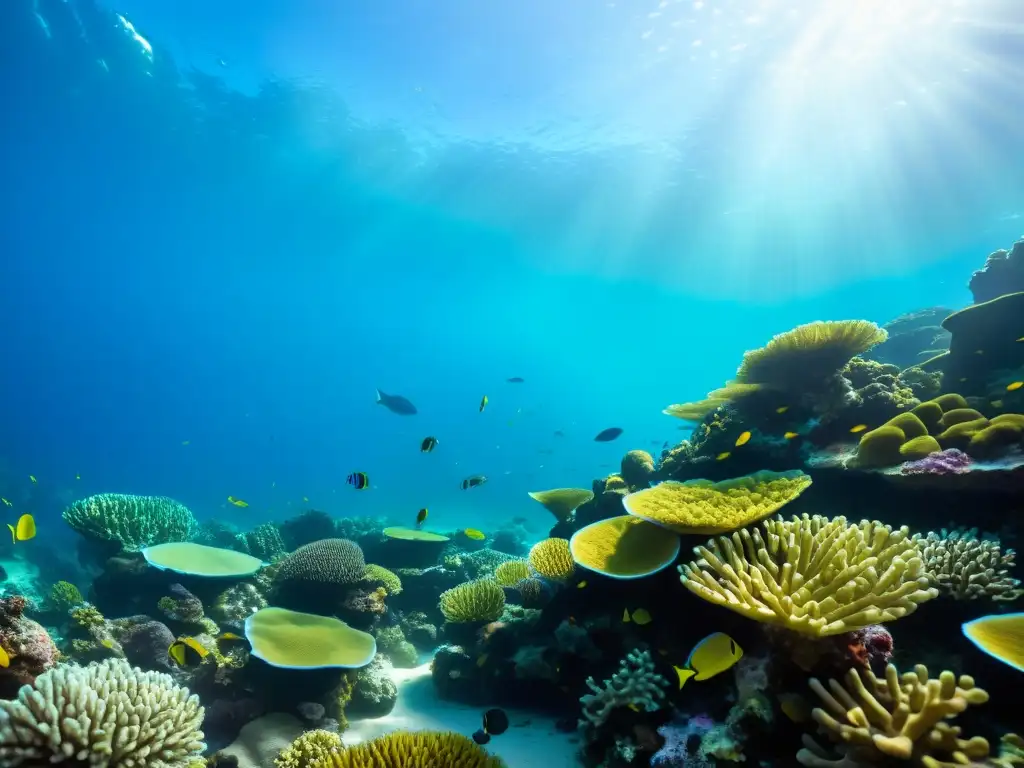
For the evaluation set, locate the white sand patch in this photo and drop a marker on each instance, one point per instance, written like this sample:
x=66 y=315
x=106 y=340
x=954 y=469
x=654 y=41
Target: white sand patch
x=530 y=742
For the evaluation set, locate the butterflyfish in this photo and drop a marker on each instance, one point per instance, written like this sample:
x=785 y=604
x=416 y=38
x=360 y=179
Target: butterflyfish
x=640 y=616
x=5 y=659
x=358 y=480
x=795 y=707
x=1014 y=386
x=421 y=516
x=714 y=654
x=428 y=444
x=858 y=428
x=723 y=456
x=483 y=403
x=473 y=482
x=782 y=409
x=187 y=651
x=1001 y=636
x=237 y=502
x=743 y=439
x=791 y=435
x=24 y=530
x=474 y=534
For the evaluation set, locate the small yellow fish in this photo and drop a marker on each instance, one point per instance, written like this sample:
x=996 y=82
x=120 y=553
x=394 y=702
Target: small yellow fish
x=474 y=534
x=5 y=501
x=795 y=707
x=185 y=442
x=5 y=659
x=483 y=403
x=743 y=439
x=582 y=584
x=107 y=642
x=714 y=654
x=858 y=428
x=997 y=403
x=33 y=479
x=237 y=502
x=1021 y=338
x=25 y=530
x=640 y=616
x=229 y=636
x=634 y=707
x=782 y=409
x=1014 y=386
x=723 y=456
x=791 y=435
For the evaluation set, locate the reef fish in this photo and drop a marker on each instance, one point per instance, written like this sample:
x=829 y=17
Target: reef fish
x=33 y=479
x=515 y=380
x=473 y=482
x=495 y=724
x=607 y=435
x=421 y=516
x=1001 y=636
x=1014 y=386
x=791 y=435
x=743 y=439
x=782 y=409
x=714 y=654
x=640 y=616
x=428 y=444
x=6 y=502
x=237 y=502
x=475 y=534
x=358 y=480
x=24 y=530
x=5 y=660
x=396 y=404
x=858 y=428
x=188 y=650
x=483 y=403
x=723 y=456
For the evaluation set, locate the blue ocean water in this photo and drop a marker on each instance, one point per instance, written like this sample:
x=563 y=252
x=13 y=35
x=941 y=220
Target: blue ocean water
x=226 y=227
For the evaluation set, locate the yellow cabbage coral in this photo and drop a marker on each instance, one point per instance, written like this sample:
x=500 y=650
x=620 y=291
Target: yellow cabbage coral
x=552 y=559
x=480 y=600
x=907 y=718
x=511 y=572
x=310 y=747
x=698 y=409
x=422 y=749
x=813 y=575
x=700 y=506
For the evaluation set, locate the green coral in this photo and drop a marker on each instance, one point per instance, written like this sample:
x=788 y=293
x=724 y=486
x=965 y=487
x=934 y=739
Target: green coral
x=474 y=601
x=64 y=595
x=308 y=748
x=87 y=616
x=264 y=541
x=392 y=643
x=134 y=522
x=392 y=584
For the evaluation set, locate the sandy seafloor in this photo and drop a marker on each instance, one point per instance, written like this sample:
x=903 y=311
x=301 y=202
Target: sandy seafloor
x=531 y=740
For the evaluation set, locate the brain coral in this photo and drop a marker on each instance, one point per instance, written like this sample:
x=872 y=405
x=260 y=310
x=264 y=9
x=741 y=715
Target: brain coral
x=481 y=600
x=108 y=714
x=389 y=579
x=552 y=559
x=422 y=749
x=328 y=561
x=135 y=522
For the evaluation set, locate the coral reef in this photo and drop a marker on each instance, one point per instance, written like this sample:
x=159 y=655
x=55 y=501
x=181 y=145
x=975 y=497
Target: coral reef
x=965 y=567
x=1002 y=273
x=133 y=522
x=308 y=749
x=624 y=547
x=30 y=650
x=387 y=579
x=474 y=601
x=913 y=338
x=412 y=750
x=318 y=574
x=374 y=694
x=552 y=559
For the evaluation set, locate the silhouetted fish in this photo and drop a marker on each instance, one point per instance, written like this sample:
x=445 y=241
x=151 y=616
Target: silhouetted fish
x=607 y=435
x=396 y=404
x=516 y=380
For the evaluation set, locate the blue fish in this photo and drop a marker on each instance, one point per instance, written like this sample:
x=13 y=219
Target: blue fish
x=607 y=435
x=396 y=403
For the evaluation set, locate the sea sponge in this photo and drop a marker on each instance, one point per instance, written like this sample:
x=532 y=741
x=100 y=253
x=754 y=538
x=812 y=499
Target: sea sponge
x=328 y=561
x=813 y=575
x=511 y=572
x=134 y=522
x=906 y=718
x=481 y=600
x=562 y=502
x=701 y=506
x=107 y=714
x=624 y=547
x=389 y=579
x=199 y=560
x=419 y=749
x=959 y=416
x=965 y=567
x=294 y=640
x=552 y=559
x=310 y=747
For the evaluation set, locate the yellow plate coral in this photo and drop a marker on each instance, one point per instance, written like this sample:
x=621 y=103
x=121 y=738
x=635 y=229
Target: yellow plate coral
x=294 y=640
x=562 y=502
x=624 y=547
x=411 y=534
x=700 y=506
x=199 y=560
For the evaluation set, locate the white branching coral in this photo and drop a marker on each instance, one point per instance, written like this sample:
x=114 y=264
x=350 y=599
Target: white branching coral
x=635 y=684
x=965 y=567
x=105 y=715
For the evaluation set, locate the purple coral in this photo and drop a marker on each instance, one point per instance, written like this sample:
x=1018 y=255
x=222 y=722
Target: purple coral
x=30 y=649
x=682 y=742
x=947 y=462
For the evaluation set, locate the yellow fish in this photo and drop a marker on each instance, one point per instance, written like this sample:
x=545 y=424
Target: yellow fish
x=723 y=456
x=107 y=642
x=483 y=403
x=640 y=616
x=782 y=409
x=186 y=650
x=997 y=403
x=743 y=439
x=25 y=530
x=795 y=707
x=33 y=479
x=791 y=435
x=582 y=584
x=1014 y=386
x=714 y=654
x=858 y=428
x=1021 y=338
x=229 y=636
x=999 y=635
x=634 y=707
x=5 y=660
x=5 y=501
x=474 y=534
x=237 y=502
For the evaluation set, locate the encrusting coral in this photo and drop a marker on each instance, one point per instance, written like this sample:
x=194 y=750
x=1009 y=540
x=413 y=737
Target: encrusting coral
x=966 y=568
x=134 y=522
x=480 y=600
x=813 y=575
x=420 y=749
x=907 y=718
x=107 y=714
x=552 y=559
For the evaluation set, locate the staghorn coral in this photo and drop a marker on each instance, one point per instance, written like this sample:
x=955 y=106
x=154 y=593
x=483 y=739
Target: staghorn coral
x=420 y=749
x=134 y=522
x=309 y=748
x=965 y=567
x=636 y=684
x=388 y=579
x=552 y=559
x=511 y=572
x=107 y=715
x=906 y=718
x=813 y=575
x=481 y=600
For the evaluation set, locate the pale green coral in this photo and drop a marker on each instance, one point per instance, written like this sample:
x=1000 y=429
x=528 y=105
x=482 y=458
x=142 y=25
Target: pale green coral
x=134 y=522
x=481 y=600
x=392 y=584
x=392 y=643
x=64 y=596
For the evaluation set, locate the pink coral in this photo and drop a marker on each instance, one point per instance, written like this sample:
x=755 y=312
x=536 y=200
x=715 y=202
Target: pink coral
x=30 y=648
x=947 y=462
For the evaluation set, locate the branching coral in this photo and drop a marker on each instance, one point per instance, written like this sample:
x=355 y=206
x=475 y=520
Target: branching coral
x=636 y=684
x=906 y=718
x=135 y=522
x=108 y=714
x=965 y=567
x=813 y=575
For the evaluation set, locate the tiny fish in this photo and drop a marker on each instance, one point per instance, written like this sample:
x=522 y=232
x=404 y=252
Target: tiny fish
x=633 y=706
x=723 y=456
x=641 y=616
x=185 y=442
x=421 y=516
x=483 y=403
x=743 y=439
x=782 y=409
x=1014 y=386
x=714 y=654
x=396 y=404
x=791 y=435
x=33 y=479
x=858 y=428
x=473 y=482
x=474 y=534
x=78 y=475
x=582 y=584
x=997 y=403
x=107 y=642
x=1021 y=338
x=979 y=351
x=5 y=501
x=559 y=433
x=607 y=435
x=358 y=480
x=305 y=499
x=229 y=636
x=516 y=380
x=428 y=444
x=237 y=502
x=963 y=379
x=481 y=659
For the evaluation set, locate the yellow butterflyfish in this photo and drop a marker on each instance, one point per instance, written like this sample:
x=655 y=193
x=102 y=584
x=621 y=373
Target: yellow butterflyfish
x=640 y=616
x=5 y=659
x=858 y=428
x=1014 y=386
x=714 y=654
x=743 y=439
x=723 y=456
x=26 y=528
x=237 y=502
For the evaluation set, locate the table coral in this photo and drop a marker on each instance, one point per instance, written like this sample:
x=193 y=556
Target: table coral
x=813 y=575
x=906 y=718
